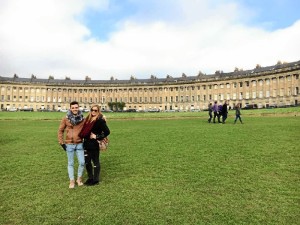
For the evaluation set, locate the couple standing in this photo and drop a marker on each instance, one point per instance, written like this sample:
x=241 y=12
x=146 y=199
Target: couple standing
x=82 y=136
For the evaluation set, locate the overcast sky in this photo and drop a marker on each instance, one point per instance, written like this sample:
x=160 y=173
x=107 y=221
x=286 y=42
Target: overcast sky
x=140 y=38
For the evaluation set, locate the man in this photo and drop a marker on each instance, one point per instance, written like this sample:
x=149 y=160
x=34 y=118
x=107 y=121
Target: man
x=215 y=110
x=72 y=125
x=210 y=110
x=220 y=112
x=224 y=112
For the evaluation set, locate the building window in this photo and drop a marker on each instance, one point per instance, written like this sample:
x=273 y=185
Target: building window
x=247 y=95
x=228 y=96
x=281 y=92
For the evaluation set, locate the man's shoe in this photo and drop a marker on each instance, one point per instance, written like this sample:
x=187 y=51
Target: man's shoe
x=72 y=184
x=79 y=181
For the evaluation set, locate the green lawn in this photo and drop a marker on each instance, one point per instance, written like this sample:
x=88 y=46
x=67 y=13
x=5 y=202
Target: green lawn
x=157 y=170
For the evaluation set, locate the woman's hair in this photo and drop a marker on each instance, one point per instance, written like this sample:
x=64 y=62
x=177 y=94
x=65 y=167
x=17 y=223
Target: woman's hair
x=89 y=118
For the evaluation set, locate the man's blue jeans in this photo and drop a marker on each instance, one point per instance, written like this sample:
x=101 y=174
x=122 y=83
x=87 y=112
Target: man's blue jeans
x=71 y=149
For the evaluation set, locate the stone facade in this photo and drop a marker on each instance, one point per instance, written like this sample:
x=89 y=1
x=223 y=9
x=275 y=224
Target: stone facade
x=265 y=86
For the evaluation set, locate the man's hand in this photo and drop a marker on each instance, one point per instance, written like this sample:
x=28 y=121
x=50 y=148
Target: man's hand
x=64 y=146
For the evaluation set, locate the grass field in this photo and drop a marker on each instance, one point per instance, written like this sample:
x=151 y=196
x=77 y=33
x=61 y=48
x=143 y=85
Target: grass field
x=161 y=168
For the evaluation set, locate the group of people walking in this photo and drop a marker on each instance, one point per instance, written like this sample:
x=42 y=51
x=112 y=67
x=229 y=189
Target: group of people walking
x=220 y=112
x=81 y=136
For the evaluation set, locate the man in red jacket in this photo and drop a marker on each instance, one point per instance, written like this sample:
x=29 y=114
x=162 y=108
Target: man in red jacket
x=72 y=125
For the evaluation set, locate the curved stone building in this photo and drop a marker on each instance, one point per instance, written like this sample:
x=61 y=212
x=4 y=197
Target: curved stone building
x=276 y=85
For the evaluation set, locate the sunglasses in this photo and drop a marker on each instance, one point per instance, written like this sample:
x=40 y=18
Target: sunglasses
x=94 y=110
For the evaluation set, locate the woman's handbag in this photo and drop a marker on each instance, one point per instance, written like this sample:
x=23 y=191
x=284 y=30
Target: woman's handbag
x=103 y=144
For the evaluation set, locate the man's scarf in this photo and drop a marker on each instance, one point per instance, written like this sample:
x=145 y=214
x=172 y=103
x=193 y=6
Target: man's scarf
x=74 y=119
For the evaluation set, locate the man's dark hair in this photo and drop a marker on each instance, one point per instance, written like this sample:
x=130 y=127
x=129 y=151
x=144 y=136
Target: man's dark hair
x=74 y=103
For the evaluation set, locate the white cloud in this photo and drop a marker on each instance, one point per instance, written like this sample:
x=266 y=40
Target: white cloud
x=47 y=38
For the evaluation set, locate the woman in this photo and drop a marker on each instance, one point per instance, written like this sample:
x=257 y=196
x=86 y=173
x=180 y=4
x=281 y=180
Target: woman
x=94 y=130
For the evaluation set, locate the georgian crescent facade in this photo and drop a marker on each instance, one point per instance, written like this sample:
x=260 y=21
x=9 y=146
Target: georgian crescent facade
x=276 y=85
